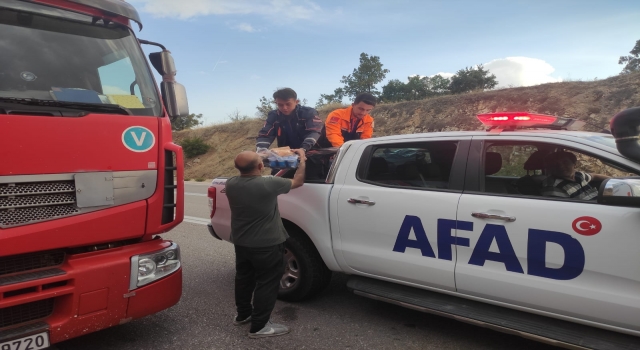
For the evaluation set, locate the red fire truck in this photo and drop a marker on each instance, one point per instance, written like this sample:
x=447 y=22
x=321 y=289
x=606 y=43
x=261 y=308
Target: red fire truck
x=87 y=168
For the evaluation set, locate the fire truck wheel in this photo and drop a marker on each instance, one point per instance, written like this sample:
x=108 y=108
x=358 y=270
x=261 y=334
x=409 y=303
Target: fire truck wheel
x=305 y=274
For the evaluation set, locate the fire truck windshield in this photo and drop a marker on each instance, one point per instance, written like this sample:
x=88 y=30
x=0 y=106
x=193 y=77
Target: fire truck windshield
x=53 y=54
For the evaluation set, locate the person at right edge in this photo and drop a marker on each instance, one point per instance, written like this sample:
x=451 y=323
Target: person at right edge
x=352 y=123
x=258 y=236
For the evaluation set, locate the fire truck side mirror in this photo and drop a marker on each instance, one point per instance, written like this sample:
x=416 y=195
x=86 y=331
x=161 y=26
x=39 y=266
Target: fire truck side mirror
x=163 y=63
x=625 y=127
x=174 y=95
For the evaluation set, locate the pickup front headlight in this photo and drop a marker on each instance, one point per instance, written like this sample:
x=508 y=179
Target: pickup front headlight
x=146 y=268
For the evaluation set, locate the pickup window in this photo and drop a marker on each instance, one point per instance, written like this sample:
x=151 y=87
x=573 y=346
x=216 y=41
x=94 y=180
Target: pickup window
x=517 y=168
x=424 y=165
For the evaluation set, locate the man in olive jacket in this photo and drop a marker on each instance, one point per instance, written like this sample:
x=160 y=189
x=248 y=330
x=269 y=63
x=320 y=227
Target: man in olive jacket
x=258 y=236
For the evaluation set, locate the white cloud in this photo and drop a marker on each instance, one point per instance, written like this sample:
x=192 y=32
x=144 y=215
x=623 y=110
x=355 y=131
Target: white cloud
x=245 y=27
x=443 y=74
x=518 y=71
x=521 y=71
x=114 y=90
x=185 y=9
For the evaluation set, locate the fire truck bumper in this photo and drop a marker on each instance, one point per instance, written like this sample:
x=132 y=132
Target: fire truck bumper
x=91 y=291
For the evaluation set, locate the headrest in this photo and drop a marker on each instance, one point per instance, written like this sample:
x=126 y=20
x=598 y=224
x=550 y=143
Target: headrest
x=536 y=160
x=408 y=171
x=378 y=165
x=493 y=163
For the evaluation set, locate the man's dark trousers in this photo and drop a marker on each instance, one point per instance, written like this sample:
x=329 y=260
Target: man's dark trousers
x=258 y=272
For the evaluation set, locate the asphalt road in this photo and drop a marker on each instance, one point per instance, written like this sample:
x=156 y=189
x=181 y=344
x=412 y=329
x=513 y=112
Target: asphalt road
x=335 y=319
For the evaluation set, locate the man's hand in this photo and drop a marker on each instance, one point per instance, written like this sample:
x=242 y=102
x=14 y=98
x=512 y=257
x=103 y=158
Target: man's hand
x=301 y=153
x=298 y=177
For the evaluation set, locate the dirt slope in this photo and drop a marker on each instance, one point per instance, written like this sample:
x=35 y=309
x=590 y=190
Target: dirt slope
x=593 y=101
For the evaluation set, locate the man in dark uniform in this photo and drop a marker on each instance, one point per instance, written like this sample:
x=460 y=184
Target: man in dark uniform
x=291 y=124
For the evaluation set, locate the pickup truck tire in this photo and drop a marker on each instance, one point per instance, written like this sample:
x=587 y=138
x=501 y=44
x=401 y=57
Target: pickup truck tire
x=305 y=273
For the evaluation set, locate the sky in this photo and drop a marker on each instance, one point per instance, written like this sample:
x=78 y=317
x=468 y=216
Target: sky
x=229 y=53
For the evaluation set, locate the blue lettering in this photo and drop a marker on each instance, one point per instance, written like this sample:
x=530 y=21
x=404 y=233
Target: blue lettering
x=574 y=258
x=445 y=239
x=421 y=242
x=506 y=254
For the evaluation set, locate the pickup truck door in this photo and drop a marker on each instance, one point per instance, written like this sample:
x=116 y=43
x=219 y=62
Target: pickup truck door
x=397 y=198
x=570 y=257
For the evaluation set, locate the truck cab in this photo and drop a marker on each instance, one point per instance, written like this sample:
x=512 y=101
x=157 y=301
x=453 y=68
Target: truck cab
x=87 y=172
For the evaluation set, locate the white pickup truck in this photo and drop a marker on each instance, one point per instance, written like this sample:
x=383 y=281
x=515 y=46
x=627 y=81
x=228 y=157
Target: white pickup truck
x=455 y=224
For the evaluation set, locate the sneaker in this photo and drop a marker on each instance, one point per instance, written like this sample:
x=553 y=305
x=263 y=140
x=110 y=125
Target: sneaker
x=237 y=322
x=270 y=330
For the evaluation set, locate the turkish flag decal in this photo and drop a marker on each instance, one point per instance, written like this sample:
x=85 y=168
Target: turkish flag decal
x=586 y=225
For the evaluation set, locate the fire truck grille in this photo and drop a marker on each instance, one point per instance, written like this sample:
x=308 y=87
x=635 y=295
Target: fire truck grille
x=33 y=201
x=36 y=188
x=29 y=262
x=24 y=203
x=25 y=313
x=27 y=215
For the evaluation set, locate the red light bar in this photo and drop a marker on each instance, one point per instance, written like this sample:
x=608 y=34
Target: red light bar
x=516 y=119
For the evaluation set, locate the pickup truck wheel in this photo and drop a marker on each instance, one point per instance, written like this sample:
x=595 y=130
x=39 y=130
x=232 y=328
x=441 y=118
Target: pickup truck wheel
x=305 y=274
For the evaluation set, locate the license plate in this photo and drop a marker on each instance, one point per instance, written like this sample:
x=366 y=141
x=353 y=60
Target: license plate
x=32 y=342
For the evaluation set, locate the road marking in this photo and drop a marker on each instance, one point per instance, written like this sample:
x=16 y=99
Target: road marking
x=196 y=220
x=195 y=194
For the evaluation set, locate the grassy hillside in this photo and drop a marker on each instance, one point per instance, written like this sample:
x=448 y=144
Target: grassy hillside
x=593 y=101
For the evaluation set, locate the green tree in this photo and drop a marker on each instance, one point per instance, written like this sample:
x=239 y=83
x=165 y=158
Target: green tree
x=364 y=78
x=631 y=62
x=265 y=106
x=235 y=116
x=416 y=88
x=326 y=99
x=439 y=85
x=472 y=79
x=188 y=122
x=394 y=91
x=194 y=147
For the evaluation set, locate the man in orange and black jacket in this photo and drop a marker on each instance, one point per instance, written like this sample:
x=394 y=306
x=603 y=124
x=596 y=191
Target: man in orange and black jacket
x=352 y=123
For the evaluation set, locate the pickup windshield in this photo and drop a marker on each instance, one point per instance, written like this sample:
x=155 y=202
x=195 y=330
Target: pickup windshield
x=55 y=55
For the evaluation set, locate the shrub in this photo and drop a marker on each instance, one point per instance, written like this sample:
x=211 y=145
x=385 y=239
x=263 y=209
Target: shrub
x=194 y=147
x=199 y=179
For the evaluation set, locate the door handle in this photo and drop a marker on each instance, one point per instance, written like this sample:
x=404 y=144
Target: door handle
x=360 y=201
x=494 y=216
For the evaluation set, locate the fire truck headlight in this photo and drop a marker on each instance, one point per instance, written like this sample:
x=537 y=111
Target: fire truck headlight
x=147 y=268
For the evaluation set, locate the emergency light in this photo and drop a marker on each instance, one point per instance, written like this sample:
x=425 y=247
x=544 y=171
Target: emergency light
x=513 y=120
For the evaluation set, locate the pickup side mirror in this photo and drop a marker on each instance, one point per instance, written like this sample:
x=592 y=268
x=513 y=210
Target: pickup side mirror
x=174 y=95
x=625 y=127
x=620 y=192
